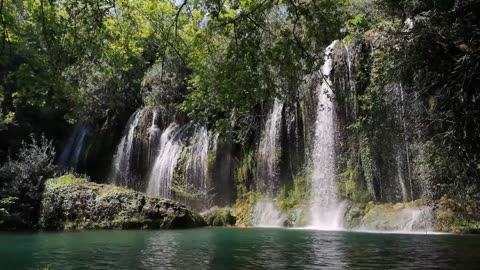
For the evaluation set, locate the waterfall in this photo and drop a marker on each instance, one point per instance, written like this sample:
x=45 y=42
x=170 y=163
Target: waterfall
x=197 y=162
x=161 y=176
x=71 y=153
x=416 y=220
x=153 y=136
x=401 y=180
x=122 y=162
x=326 y=211
x=400 y=218
x=267 y=214
x=269 y=152
x=189 y=144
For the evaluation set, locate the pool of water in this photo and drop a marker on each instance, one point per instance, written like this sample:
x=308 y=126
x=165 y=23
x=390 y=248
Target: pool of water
x=224 y=248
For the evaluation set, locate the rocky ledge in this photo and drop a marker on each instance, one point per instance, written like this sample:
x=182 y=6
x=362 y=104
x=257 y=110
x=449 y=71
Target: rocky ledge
x=443 y=215
x=71 y=203
x=220 y=217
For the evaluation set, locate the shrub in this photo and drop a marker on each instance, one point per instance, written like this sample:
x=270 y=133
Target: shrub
x=23 y=180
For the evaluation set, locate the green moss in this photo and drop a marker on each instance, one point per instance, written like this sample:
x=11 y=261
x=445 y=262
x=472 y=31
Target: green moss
x=67 y=179
x=183 y=190
x=8 y=201
x=297 y=195
x=351 y=184
x=114 y=190
x=128 y=222
x=302 y=218
x=451 y=216
x=243 y=206
x=211 y=158
x=143 y=132
x=220 y=217
x=245 y=198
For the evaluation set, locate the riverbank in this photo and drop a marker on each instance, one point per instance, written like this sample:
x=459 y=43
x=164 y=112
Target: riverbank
x=73 y=203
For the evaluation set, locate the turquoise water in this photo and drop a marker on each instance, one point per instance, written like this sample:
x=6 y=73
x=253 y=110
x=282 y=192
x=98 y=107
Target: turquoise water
x=224 y=248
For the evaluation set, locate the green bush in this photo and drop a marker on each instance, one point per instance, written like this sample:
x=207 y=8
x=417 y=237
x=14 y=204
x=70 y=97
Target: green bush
x=23 y=179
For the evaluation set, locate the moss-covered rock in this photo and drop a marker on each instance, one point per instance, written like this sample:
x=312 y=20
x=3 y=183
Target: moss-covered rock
x=243 y=206
x=443 y=215
x=73 y=203
x=296 y=217
x=220 y=217
x=451 y=216
x=416 y=216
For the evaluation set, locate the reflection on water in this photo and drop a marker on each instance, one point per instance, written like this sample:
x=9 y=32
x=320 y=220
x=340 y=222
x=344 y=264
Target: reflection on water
x=237 y=249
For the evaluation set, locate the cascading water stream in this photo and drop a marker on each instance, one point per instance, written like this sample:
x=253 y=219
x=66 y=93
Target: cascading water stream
x=161 y=176
x=267 y=214
x=153 y=137
x=189 y=142
x=401 y=180
x=197 y=161
x=269 y=152
x=325 y=209
x=71 y=153
x=121 y=167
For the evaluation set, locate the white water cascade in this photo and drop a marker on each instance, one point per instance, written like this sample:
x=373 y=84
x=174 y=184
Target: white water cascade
x=400 y=178
x=160 y=179
x=197 y=162
x=417 y=219
x=267 y=214
x=326 y=211
x=269 y=152
x=154 y=133
x=71 y=153
x=411 y=219
x=122 y=162
x=189 y=143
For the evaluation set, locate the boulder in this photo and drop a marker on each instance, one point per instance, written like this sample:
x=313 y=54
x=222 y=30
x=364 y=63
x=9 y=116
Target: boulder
x=219 y=217
x=71 y=203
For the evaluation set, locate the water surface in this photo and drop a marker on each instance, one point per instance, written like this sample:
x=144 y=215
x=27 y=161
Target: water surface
x=224 y=248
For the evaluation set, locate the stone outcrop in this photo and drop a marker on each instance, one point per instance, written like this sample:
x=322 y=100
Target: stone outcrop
x=71 y=203
x=220 y=217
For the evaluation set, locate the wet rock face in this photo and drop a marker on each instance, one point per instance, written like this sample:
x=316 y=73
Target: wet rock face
x=86 y=205
x=413 y=216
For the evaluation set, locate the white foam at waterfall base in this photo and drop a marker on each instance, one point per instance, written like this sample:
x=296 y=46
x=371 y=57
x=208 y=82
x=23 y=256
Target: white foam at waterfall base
x=326 y=212
x=414 y=220
x=267 y=214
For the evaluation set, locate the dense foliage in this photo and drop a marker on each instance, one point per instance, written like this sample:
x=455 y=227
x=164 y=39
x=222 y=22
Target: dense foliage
x=224 y=62
x=88 y=58
x=21 y=183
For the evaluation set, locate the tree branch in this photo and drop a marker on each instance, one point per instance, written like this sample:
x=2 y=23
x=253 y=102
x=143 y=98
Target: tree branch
x=245 y=14
x=177 y=16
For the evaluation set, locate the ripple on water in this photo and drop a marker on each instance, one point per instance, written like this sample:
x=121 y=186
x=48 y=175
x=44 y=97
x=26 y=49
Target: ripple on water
x=237 y=249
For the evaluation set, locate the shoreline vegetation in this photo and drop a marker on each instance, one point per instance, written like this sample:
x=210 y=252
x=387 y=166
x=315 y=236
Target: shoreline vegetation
x=71 y=203
x=335 y=114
